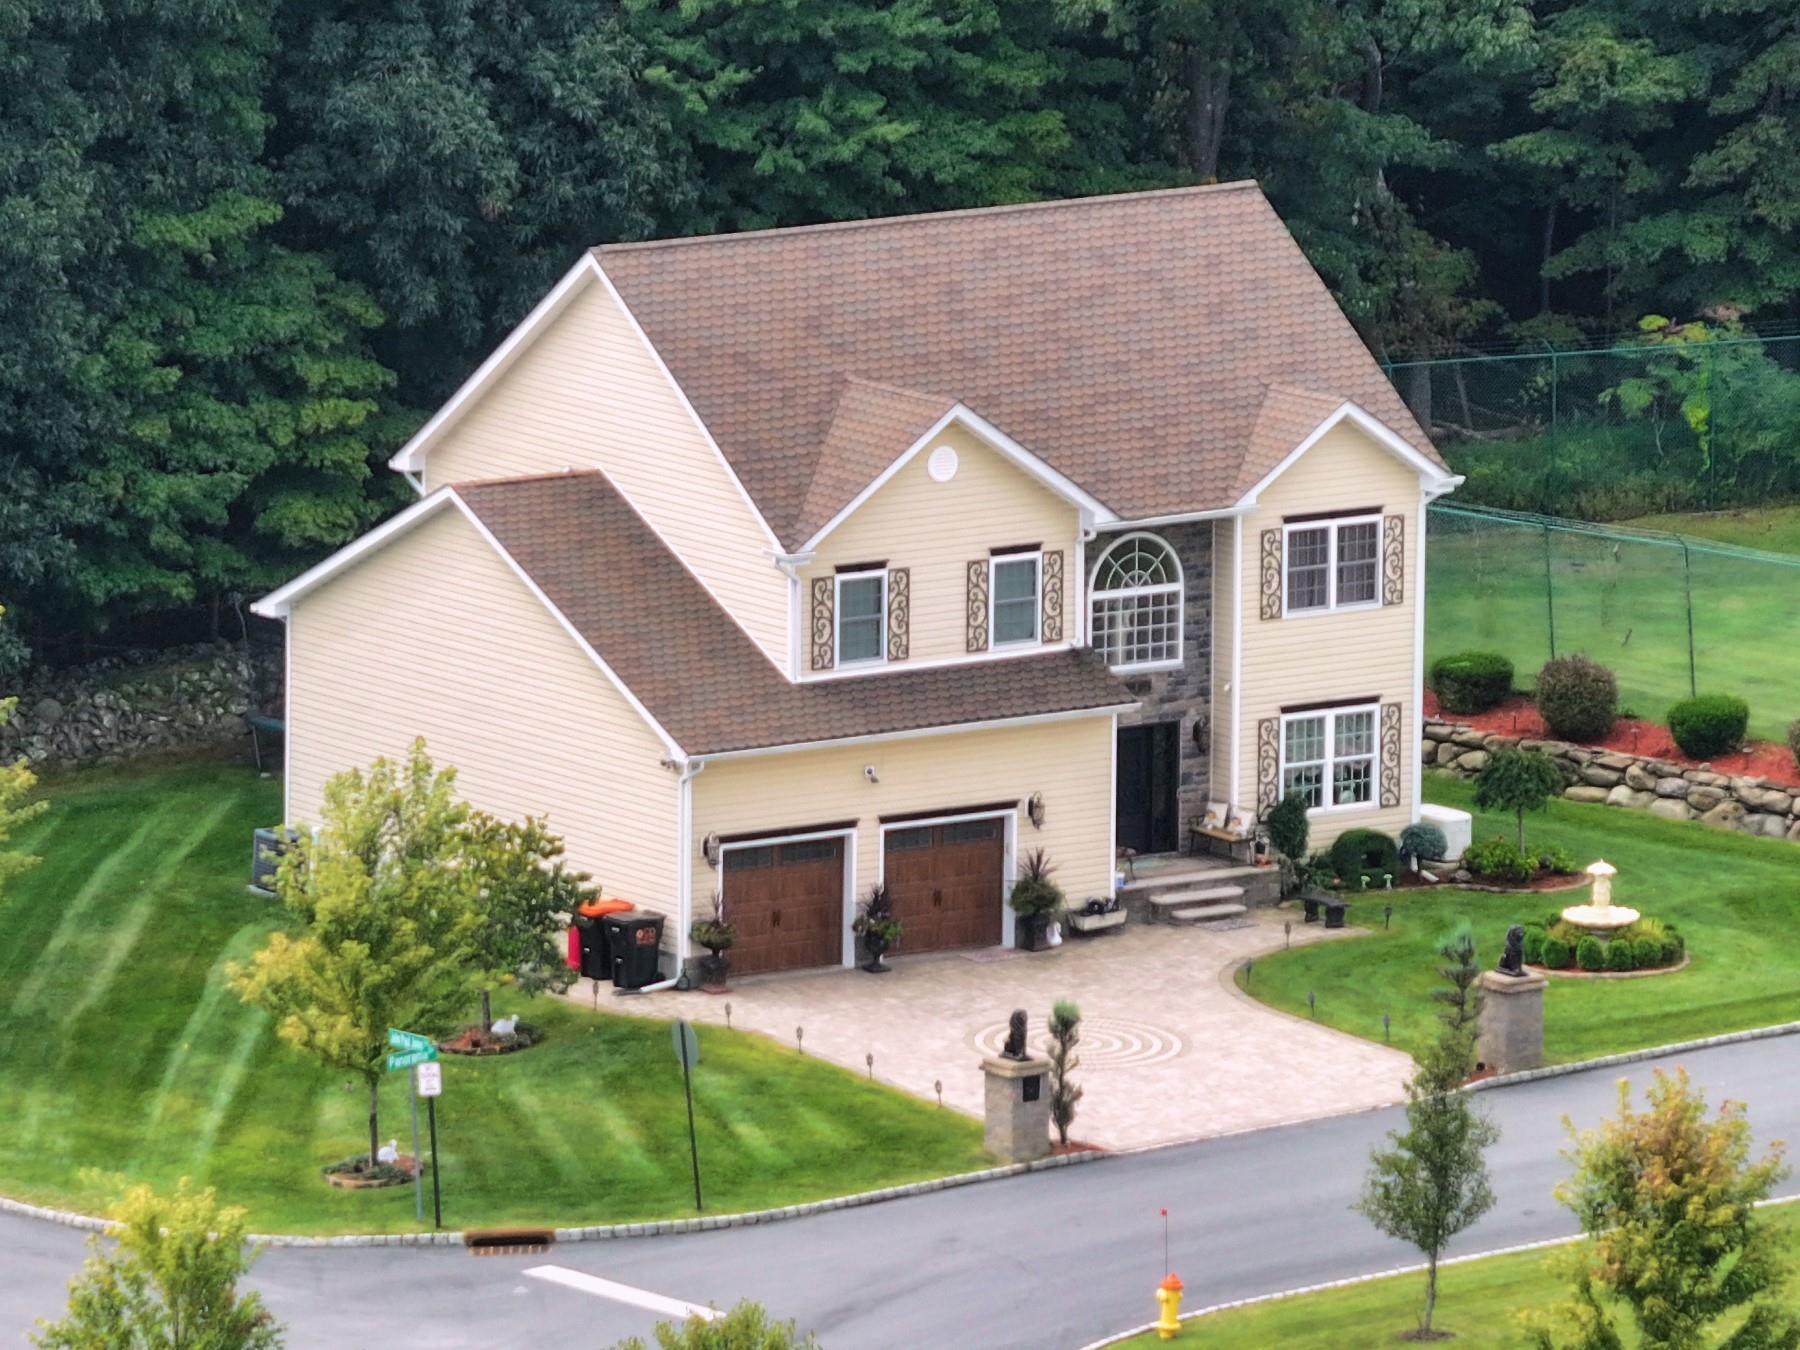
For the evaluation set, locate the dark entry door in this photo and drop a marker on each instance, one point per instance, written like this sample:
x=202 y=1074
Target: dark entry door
x=948 y=883
x=1144 y=797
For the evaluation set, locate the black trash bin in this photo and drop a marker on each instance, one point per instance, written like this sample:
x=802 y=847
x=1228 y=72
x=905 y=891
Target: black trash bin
x=596 y=956
x=635 y=941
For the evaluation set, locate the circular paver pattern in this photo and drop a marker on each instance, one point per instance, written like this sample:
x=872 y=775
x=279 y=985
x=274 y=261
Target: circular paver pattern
x=1106 y=1042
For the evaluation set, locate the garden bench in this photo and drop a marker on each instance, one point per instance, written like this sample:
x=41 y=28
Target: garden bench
x=1237 y=847
x=1331 y=907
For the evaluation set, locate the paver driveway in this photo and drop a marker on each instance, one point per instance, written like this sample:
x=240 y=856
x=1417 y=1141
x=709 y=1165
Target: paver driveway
x=1169 y=1051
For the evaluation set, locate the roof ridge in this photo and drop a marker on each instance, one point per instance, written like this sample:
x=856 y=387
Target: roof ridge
x=872 y=222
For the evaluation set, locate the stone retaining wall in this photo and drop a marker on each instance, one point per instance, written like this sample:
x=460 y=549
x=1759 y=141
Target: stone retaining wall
x=1672 y=791
x=184 y=698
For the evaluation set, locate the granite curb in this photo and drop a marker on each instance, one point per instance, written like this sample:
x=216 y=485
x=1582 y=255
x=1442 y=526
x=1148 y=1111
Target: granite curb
x=1634 y=1056
x=603 y=1232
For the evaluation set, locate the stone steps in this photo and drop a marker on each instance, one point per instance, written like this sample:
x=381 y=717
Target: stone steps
x=1200 y=913
x=1190 y=906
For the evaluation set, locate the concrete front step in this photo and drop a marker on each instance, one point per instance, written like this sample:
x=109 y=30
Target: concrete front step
x=1200 y=913
x=1208 y=895
x=1188 y=877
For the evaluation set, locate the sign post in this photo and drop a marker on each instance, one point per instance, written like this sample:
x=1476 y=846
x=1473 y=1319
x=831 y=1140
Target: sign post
x=428 y=1080
x=411 y=1049
x=687 y=1050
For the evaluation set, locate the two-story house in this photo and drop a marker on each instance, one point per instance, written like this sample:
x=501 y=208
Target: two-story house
x=772 y=565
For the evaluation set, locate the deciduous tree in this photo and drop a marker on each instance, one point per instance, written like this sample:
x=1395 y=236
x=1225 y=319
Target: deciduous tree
x=386 y=921
x=1517 y=781
x=525 y=895
x=16 y=783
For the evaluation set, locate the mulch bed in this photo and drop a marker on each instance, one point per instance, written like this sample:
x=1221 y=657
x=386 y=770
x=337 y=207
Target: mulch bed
x=1576 y=973
x=407 y=1167
x=472 y=1040
x=1074 y=1146
x=1518 y=716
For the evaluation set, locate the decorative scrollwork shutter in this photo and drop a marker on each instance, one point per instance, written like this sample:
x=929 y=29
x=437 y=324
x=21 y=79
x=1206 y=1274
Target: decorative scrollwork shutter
x=1390 y=754
x=1268 y=764
x=1271 y=574
x=978 y=606
x=899 y=612
x=1393 y=561
x=1053 y=596
x=824 y=645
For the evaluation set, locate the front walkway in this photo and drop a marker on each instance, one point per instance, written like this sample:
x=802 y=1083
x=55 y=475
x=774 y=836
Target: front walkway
x=1169 y=1051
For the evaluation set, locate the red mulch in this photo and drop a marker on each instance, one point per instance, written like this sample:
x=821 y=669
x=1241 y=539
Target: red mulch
x=1518 y=716
x=1074 y=1146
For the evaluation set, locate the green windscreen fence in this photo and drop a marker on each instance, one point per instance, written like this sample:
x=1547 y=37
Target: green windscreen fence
x=1669 y=615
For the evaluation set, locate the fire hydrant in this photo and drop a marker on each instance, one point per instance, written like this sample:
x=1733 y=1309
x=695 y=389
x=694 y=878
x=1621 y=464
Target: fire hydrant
x=1168 y=1298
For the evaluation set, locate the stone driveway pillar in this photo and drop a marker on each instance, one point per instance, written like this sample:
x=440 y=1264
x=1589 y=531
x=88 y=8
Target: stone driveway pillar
x=1018 y=1108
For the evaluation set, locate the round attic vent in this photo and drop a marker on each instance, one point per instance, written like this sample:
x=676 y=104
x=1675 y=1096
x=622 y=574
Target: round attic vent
x=942 y=464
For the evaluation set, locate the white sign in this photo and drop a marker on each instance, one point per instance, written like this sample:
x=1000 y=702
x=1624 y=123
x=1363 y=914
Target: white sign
x=430 y=1079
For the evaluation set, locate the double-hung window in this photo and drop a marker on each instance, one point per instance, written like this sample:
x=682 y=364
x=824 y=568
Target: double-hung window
x=1013 y=599
x=1328 y=756
x=861 y=617
x=1332 y=564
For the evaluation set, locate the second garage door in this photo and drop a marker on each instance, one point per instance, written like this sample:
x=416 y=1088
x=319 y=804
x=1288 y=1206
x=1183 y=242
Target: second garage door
x=947 y=883
x=786 y=902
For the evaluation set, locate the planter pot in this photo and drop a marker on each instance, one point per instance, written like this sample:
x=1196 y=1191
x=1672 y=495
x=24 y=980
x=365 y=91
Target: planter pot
x=713 y=970
x=874 y=945
x=1031 y=932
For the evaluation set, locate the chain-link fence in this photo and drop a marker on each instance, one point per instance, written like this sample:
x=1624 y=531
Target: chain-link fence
x=1670 y=615
x=1617 y=432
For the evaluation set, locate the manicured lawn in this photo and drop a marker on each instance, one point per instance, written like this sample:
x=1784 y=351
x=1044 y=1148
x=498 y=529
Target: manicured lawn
x=1625 y=604
x=1732 y=897
x=1478 y=1300
x=1773 y=528
x=123 y=1053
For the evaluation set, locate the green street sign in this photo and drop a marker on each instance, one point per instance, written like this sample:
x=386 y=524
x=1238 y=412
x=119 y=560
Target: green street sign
x=407 y=1059
x=407 y=1040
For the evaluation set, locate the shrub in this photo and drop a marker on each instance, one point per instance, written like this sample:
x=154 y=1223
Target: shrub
x=1499 y=858
x=1288 y=833
x=1471 y=682
x=1034 y=893
x=1794 y=739
x=1648 y=951
x=1590 y=954
x=1556 y=953
x=1709 y=725
x=1533 y=946
x=1621 y=955
x=1578 y=698
x=1423 y=840
x=1365 y=853
x=1557 y=859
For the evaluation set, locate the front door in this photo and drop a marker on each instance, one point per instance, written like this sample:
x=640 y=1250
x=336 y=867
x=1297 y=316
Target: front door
x=1144 y=797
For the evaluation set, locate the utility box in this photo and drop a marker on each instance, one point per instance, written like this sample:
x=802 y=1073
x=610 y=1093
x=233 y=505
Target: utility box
x=635 y=947
x=266 y=850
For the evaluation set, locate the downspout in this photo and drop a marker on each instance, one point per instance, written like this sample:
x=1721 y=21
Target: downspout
x=689 y=769
x=790 y=565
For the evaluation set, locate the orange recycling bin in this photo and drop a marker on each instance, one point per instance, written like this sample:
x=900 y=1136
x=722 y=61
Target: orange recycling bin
x=596 y=956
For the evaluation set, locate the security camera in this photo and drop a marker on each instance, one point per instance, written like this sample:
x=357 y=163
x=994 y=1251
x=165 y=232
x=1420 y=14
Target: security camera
x=869 y=773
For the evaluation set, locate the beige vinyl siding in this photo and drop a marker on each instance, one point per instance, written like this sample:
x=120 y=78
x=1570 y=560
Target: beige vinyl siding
x=1068 y=761
x=433 y=635
x=589 y=393
x=1223 y=604
x=937 y=529
x=1315 y=657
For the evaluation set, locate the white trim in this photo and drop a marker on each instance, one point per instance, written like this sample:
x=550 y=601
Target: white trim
x=1009 y=652
x=1035 y=642
x=684 y=861
x=1112 y=815
x=1176 y=518
x=1237 y=656
x=948 y=729
x=287 y=718
x=410 y=457
x=862 y=663
x=279 y=603
x=1009 y=866
x=996 y=440
x=1178 y=588
x=1077 y=626
x=847 y=949
x=1331 y=525
x=1328 y=765
x=1377 y=431
x=1417 y=591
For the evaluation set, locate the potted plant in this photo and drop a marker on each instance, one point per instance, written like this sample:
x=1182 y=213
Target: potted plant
x=716 y=936
x=878 y=927
x=1035 y=899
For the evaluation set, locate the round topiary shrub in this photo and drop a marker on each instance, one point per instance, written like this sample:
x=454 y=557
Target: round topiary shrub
x=1359 y=853
x=1648 y=952
x=1556 y=953
x=1578 y=698
x=1423 y=840
x=1709 y=725
x=1533 y=947
x=1590 y=954
x=1471 y=682
x=1621 y=955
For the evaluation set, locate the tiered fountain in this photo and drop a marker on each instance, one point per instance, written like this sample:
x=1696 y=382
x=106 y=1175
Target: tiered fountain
x=1600 y=916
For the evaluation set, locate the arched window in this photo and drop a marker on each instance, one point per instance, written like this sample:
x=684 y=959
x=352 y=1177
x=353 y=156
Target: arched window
x=1136 y=604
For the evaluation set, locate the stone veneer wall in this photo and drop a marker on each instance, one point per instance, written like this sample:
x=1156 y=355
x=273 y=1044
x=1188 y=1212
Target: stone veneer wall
x=1672 y=791
x=184 y=698
x=1183 y=695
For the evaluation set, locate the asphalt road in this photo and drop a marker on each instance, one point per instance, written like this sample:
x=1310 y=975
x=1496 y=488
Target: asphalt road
x=1049 y=1260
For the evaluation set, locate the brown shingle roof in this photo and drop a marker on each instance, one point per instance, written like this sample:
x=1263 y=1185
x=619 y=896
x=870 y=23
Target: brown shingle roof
x=871 y=427
x=1127 y=340
x=697 y=672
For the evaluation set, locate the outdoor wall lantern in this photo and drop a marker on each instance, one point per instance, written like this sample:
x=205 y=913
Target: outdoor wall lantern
x=709 y=849
x=1035 y=809
x=1202 y=733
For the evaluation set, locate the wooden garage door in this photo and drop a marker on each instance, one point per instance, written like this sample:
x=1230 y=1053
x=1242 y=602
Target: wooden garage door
x=946 y=882
x=787 y=903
